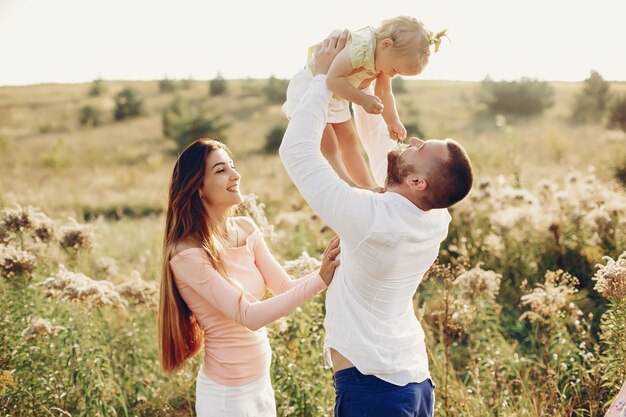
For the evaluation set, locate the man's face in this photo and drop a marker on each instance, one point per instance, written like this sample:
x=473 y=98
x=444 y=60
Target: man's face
x=418 y=157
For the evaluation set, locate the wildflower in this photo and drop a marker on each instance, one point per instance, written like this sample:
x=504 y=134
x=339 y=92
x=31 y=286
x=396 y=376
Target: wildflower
x=139 y=291
x=16 y=262
x=44 y=228
x=106 y=266
x=494 y=244
x=477 y=282
x=463 y=315
x=17 y=219
x=76 y=236
x=39 y=327
x=252 y=208
x=7 y=380
x=76 y=287
x=305 y=264
x=611 y=278
x=550 y=298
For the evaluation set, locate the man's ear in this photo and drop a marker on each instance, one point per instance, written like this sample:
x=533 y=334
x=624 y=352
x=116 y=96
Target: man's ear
x=386 y=43
x=416 y=182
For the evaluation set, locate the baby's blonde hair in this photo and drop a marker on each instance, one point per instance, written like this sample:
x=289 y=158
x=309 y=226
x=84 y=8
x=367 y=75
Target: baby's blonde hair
x=410 y=38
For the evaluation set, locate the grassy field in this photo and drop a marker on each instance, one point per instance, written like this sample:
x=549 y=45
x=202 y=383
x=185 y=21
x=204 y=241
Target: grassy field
x=546 y=199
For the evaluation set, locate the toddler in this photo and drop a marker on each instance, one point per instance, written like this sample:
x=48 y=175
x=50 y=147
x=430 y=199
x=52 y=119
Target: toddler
x=401 y=45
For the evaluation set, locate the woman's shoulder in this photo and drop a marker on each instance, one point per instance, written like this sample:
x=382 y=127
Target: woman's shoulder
x=183 y=245
x=246 y=225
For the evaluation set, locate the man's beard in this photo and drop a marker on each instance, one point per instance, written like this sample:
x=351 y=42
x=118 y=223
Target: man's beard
x=396 y=170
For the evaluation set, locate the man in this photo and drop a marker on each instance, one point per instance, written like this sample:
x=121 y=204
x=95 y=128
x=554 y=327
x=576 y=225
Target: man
x=388 y=241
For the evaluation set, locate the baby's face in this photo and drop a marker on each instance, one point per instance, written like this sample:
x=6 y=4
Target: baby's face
x=392 y=63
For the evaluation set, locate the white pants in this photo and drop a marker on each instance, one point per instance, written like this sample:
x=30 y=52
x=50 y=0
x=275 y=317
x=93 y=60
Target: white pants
x=338 y=109
x=255 y=399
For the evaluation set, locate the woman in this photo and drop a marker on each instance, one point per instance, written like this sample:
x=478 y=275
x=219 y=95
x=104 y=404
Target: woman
x=216 y=268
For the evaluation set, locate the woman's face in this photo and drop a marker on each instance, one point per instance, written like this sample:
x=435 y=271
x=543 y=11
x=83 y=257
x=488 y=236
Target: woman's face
x=221 y=182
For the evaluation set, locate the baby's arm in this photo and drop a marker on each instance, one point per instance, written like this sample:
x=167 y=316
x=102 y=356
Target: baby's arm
x=337 y=81
x=390 y=113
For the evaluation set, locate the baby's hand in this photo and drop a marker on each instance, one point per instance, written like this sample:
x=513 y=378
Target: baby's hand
x=372 y=104
x=397 y=131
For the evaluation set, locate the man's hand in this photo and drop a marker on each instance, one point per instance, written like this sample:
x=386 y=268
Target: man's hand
x=326 y=51
x=397 y=131
x=372 y=104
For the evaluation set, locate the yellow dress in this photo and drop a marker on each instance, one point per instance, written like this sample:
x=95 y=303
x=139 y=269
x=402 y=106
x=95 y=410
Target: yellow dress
x=362 y=47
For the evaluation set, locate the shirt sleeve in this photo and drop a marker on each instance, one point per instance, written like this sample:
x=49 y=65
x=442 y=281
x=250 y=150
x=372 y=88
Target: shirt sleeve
x=348 y=211
x=275 y=277
x=193 y=268
x=374 y=136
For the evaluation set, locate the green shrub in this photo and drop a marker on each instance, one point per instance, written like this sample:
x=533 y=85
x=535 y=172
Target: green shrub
x=619 y=172
x=166 y=85
x=97 y=88
x=186 y=83
x=617 y=114
x=185 y=123
x=522 y=98
x=127 y=104
x=90 y=116
x=592 y=101
x=217 y=86
x=275 y=90
x=273 y=139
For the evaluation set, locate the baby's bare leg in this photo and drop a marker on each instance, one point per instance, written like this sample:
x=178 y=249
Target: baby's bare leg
x=330 y=150
x=351 y=154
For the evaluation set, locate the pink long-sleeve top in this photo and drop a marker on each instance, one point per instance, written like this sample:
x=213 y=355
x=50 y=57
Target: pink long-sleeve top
x=236 y=347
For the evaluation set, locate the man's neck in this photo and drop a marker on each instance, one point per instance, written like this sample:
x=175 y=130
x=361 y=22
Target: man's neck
x=405 y=192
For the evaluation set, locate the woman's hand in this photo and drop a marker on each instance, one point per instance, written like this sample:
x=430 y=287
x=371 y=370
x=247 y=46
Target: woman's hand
x=326 y=51
x=329 y=263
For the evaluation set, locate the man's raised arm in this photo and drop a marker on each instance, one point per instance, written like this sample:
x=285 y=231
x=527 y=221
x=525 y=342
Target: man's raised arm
x=346 y=210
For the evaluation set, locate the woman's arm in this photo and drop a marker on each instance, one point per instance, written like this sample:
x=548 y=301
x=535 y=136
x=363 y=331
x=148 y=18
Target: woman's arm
x=194 y=269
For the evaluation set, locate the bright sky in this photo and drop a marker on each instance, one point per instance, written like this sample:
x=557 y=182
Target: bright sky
x=79 y=40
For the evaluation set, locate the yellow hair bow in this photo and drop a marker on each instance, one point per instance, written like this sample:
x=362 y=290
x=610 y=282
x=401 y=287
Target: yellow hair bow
x=435 y=41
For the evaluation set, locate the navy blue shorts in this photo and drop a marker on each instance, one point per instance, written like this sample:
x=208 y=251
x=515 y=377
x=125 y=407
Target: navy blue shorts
x=358 y=395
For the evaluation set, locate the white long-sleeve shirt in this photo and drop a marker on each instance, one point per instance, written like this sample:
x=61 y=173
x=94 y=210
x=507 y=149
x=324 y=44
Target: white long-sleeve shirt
x=387 y=244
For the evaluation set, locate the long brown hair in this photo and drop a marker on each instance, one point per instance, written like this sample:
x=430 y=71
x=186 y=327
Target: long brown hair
x=180 y=335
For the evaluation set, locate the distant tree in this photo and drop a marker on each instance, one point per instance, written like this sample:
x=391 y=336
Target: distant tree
x=591 y=103
x=410 y=118
x=185 y=123
x=275 y=90
x=617 y=114
x=127 y=104
x=185 y=83
x=166 y=85
x=89 y=116
x=414 y=129
x=524 y=98
x=97 y=88
x=217 y=86
x=397 y=84
x=274 y=138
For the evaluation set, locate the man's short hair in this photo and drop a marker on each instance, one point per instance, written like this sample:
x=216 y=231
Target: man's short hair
x=451 y=179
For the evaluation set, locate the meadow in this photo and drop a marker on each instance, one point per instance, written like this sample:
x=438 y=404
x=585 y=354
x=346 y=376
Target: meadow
x=524 y=313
